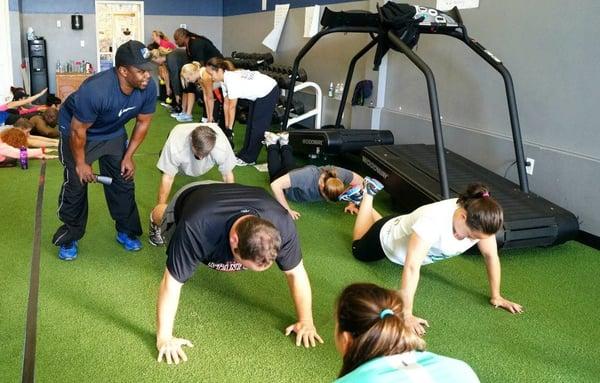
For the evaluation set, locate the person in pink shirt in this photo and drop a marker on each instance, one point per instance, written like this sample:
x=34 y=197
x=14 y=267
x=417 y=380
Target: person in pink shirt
x=159 y=38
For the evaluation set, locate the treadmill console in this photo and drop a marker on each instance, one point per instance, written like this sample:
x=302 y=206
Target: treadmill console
x=433 y=17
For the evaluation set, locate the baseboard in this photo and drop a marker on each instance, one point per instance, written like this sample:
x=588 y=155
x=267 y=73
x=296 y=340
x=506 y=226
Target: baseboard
x=589 y=239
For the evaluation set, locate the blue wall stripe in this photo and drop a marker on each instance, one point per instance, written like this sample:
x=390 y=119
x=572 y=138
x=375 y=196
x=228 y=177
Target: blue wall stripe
x=240 y=7
x=151 y=7
x=13 y=5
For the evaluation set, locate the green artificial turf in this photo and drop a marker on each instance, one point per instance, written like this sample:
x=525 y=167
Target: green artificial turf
x=97 y=313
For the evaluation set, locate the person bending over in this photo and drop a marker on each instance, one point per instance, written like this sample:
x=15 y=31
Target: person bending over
x=173 y=60
x=306 y=184
x=191 y=149
x=229 y=227
x=378 y=346
x=429 y=234
x=254 y=86
x=92 y=127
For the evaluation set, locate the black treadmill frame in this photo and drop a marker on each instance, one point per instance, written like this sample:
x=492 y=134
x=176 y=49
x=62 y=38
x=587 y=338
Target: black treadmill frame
x=459 y=32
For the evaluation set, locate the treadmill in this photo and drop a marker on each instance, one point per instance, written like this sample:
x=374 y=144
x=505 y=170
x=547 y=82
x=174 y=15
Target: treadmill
x=419 y=174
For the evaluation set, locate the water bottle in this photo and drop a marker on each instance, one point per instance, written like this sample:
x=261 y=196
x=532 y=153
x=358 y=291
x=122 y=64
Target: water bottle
x=23 y=158
x=330 y=92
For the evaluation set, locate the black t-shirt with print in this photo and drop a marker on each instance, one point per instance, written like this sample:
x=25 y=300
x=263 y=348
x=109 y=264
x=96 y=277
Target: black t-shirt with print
x=204 y=215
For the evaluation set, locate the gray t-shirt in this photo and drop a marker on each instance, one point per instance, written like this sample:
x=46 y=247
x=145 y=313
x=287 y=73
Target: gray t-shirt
x=177 y=156
x=305 y=182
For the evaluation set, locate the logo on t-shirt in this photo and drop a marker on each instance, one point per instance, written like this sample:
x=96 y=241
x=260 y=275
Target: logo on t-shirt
x=125 y=110
x=227 y=266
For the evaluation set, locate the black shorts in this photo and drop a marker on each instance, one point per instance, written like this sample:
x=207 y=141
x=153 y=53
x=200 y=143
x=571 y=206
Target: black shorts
x=191 y=88
x=368 y=248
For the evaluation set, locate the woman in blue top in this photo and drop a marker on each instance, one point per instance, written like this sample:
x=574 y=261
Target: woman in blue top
x=378 y=347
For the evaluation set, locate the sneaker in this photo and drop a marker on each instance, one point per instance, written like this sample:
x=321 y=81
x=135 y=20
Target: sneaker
x=183 y=117
x=155 y=235
x=68 y=252
x=284 y=138
x=129 y=243
x=372 y=186
x=353 y=194
x=240 y=162
x=271 y=138
x=175 y=115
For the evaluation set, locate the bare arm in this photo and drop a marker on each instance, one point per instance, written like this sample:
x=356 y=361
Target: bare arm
x=299 y=286
x=278 y=186
x=416 y=252
x=166 y=310
x=137 y=136
x=208 y=97
x=229 y=107
x=77 y=141
x=166 y=182
x=228 y=177
x=489 y=249
x=25 y=101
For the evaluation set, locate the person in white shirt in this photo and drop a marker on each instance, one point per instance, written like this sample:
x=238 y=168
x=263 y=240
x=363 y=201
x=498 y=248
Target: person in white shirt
x=191 y=149
x=431 y=233
x=254 y=86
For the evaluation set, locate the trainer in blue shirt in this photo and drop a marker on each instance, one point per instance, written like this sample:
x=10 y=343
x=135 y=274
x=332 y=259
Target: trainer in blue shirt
x=92 y=127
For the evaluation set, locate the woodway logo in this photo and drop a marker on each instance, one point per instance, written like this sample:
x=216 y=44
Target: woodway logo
x=308 y=141
x=375 y=168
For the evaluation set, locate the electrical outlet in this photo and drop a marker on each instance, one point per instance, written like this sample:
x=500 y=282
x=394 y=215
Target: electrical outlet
x=82 y=43
x=530 y=162
x=58 y=23
x=183 y=26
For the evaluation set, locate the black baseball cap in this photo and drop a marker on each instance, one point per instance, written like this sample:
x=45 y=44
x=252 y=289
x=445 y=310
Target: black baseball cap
x=136 y=54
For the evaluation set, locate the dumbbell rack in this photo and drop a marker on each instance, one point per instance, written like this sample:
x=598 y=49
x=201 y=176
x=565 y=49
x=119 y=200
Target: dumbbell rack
x=316 y=112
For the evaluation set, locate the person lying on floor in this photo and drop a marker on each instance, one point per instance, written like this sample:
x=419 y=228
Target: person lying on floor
x=308 y=183
x=13 y=142
x=377 y=345
x=10 y=111
x=45 y=124
x=34 y=141
x=228 y=227
x=429 y=234
x=192 y=149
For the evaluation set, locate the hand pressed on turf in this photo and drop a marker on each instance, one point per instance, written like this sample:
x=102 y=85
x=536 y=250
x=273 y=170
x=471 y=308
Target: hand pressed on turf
x=351 y=209
x=507 y=305
x=306 y=334
x=172 y=350
x=416 y=324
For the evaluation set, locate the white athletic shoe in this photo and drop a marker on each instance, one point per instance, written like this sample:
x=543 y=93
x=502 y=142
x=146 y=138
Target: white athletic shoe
x=240 y=162
x=271 y=138
x=284 y=138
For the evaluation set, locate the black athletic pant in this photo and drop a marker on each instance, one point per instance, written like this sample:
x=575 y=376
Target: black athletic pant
x=73 y=201
x=280 y=161
x=260 y=115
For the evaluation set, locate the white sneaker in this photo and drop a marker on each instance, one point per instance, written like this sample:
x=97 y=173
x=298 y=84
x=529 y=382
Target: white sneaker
x=240 y=162
x=284 y=138
x=204 y=120
x=271 y=138
x=175 y=115
x=184 y=118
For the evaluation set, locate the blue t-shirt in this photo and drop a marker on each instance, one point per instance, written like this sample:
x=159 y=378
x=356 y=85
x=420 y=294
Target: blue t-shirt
x=100 y=101
x=412 y=367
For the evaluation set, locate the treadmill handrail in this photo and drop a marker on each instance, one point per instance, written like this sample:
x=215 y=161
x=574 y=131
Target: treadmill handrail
x=434 y=107
x=304 y=51
x=313 y=112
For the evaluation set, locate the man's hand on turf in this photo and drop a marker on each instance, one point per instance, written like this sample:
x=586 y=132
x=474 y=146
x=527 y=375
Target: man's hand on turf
x=172 y=350
x=306 y=333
